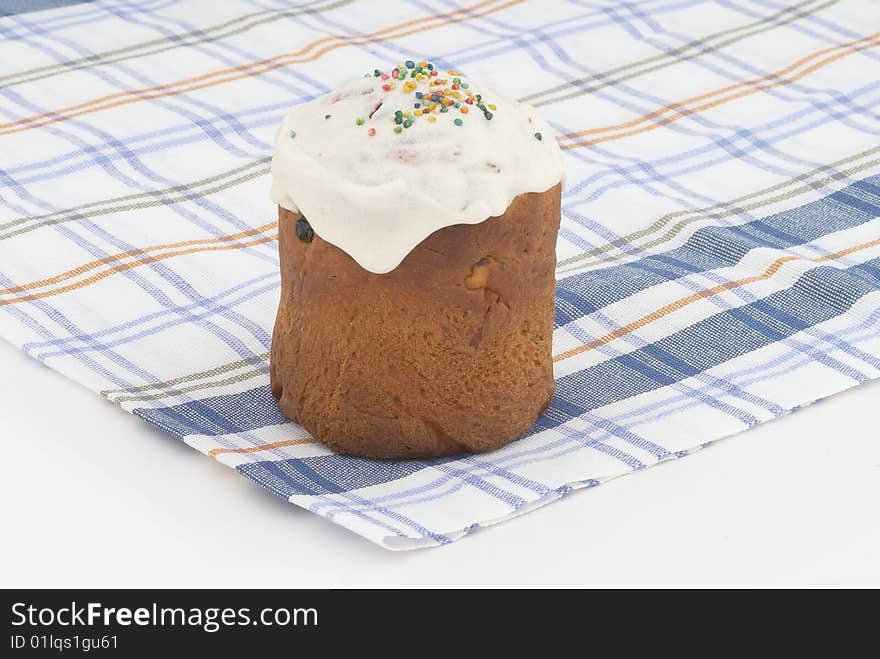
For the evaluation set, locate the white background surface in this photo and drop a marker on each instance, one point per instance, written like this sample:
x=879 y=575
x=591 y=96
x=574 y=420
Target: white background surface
x=93 y=497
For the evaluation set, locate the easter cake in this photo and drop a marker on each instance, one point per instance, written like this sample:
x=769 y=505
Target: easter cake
x=418 y=213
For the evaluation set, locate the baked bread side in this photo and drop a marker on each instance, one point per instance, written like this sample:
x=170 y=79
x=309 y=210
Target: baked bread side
x=447 y=353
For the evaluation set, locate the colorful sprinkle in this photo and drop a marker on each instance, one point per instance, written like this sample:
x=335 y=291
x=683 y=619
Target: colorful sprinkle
x=433 y=93
x=292 y=134
x=538 y=136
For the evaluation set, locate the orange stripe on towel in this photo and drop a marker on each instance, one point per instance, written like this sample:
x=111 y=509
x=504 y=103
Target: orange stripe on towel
x=678 y=110
x=262 y=447
x=254 y=68
x=208 y=245
x=690 y=299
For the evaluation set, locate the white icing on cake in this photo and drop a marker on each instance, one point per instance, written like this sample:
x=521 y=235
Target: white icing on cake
x=377 y=197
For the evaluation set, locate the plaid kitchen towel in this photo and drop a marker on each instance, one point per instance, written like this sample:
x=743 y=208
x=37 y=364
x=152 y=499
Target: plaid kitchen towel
x=719 y=257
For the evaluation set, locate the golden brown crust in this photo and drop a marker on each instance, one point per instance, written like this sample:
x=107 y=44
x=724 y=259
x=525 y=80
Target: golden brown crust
x=449 y=352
